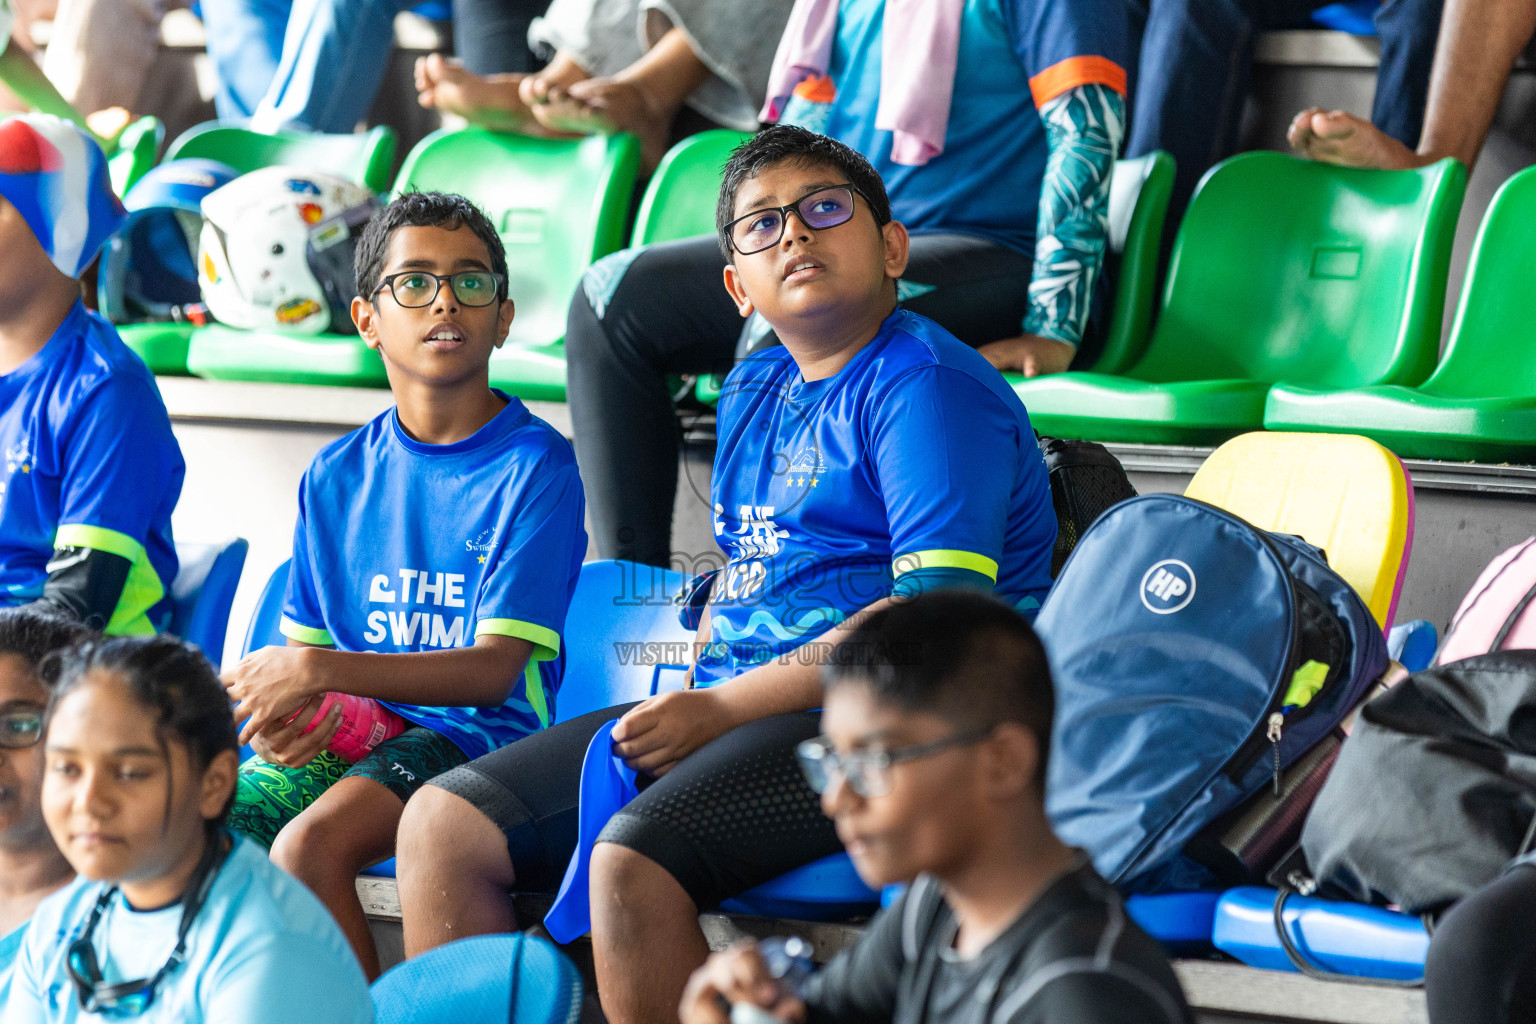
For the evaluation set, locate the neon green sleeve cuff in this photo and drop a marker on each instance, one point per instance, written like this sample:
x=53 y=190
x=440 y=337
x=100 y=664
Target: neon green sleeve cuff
x=99 y=539
x=546 y=642
x=940 y=558
x=305 y=634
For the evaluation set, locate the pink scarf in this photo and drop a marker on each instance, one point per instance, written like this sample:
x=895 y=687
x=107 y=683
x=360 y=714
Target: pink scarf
x=919 y=48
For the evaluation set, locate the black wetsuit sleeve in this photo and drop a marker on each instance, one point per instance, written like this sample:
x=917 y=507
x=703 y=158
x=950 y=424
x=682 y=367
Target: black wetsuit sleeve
x=85 y=584
x=860 y=985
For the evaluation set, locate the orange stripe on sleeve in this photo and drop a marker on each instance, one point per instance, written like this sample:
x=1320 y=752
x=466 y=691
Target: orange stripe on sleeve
x=1073 y=72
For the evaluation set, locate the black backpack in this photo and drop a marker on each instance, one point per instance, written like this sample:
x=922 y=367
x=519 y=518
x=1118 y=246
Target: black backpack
x=1434 y=792
x=1086 y=480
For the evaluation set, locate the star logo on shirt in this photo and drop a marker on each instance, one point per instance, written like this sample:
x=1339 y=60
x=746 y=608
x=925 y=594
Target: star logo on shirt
x=18 y=457
x=805 y=467
x=482 y=559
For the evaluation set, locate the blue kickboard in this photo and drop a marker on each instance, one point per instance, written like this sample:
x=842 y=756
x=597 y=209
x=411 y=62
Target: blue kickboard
x=1344 y=938
x=1413 y=644
x=1181 y=921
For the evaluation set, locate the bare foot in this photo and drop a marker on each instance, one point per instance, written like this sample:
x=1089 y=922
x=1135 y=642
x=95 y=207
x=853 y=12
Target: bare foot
x=603 y=105
x=1337 y=137
x=491 y=101
x=1029 y=354
x=109 y=123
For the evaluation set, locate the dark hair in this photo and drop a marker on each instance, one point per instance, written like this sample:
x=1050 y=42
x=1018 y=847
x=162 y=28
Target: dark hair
x=34 y=634
x=959 y=654
x=422 y=210
x=170 y=678
x=782 y=143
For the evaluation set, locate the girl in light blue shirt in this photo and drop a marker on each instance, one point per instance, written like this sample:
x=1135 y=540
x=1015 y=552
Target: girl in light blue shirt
x=171 y=918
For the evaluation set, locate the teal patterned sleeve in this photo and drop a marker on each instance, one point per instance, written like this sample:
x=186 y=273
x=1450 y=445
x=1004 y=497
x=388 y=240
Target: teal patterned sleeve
x=1084 y=127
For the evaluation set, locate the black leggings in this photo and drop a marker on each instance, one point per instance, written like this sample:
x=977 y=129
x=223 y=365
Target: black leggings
x=1481 y=967
x=734 y=814
x=670 y=314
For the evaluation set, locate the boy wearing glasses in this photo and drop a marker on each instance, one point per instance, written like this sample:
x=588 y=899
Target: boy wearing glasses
x=435 y=554
x=31 y=866
x=872 y=456
x=936 y=731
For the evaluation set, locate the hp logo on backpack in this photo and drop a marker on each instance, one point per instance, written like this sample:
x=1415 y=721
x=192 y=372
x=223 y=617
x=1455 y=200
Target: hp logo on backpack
x=1168 y=587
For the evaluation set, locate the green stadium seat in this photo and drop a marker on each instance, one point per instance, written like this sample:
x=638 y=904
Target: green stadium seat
x=558 y=204
x=363 y=157
x=1138 y=204
x=1480 y=403
x=162 y=346
x=680 y=200
x=133 y=153
x=1284 y=271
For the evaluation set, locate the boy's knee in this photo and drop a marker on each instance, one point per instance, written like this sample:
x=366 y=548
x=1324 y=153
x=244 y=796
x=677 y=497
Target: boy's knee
x=315 y=846
x=620 y=875
x=441 y=827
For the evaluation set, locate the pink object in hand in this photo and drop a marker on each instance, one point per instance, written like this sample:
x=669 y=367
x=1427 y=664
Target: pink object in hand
x=365 y=723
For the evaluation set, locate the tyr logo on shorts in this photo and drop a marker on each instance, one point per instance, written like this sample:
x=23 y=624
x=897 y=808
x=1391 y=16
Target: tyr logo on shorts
x=1167 y=587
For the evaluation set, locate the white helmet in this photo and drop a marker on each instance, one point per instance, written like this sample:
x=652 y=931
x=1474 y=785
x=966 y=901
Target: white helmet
x=276 y=250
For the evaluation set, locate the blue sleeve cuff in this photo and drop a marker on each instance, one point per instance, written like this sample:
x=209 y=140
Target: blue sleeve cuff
x=921 y=581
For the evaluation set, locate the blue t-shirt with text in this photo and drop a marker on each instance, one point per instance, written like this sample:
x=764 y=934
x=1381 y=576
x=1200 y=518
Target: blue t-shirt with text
x=87 y=459
x=1014 y=57
x=914 y=456
x=403 y=546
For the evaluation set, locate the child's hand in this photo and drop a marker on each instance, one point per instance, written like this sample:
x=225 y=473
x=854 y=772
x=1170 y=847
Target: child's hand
x=1029 y=354
x=659 y=733
x=287 y=743
x=736 y=976
x=271 y=684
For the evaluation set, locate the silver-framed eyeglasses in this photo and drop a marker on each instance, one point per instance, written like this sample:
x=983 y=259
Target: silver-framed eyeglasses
x=868 y=772
x=416 y=288
x=761 y=229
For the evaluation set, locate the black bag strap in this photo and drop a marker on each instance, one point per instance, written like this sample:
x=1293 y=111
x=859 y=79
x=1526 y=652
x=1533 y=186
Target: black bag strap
x=1306 y=966
x=1509 y=623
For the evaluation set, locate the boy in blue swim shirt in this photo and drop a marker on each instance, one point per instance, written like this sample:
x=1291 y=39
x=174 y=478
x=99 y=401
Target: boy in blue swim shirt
x=435 y=555
x=89 y=469
x=873 y=457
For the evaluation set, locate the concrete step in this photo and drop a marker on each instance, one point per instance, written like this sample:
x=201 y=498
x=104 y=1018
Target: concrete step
x=1220 y=992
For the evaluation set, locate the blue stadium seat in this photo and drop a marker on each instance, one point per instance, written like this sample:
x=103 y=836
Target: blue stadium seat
x=1342 y=938
x=1181 y=921
x=203 y=591
x=263 y=631
x=622 y=618
x=488 y=979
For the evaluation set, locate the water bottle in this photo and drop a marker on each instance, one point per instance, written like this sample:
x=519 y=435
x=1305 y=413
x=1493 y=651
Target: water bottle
x=789 y=962
x=365 y=723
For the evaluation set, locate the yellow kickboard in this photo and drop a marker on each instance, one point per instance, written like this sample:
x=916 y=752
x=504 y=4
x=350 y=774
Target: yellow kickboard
x=1341 y=492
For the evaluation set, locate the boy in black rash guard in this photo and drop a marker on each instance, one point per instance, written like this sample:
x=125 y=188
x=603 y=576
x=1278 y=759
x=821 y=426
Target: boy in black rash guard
x=937 y=727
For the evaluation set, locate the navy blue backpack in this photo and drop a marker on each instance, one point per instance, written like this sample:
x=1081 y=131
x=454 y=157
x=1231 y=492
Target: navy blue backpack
x=1196 y=659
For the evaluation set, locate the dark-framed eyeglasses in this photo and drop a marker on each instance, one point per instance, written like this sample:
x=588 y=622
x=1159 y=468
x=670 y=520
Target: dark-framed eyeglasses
x=124 y=999
x=20 y=729
x=761 y=229
x=416 y=288
x=868 y=772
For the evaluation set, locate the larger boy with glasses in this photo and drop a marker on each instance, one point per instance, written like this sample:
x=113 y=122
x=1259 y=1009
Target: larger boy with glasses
x=871 y=457
x=435 y=554
x=936 y=733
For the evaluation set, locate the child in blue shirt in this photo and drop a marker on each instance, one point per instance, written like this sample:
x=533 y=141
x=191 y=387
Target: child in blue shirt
x=90 y=471
x=873 y=457
x=31 y=866
x=171 y=918
x=435 y=555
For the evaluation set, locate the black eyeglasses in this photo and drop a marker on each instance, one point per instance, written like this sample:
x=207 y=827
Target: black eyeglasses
x=415 y=288
x=124 y=999
x=868 y=772
x=20 y=729
x=762 y=229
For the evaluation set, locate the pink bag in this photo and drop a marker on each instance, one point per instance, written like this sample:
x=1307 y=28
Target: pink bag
x=1497 y=613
